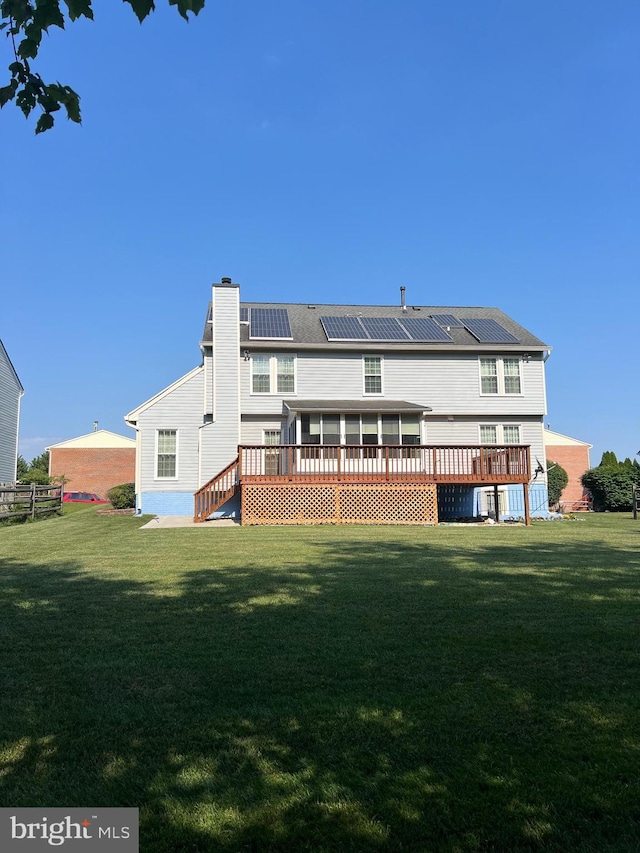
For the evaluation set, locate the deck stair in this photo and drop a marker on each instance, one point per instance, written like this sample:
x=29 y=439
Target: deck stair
x=216 y=492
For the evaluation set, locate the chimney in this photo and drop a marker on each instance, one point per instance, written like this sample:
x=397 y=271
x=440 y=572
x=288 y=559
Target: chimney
x=402 y=301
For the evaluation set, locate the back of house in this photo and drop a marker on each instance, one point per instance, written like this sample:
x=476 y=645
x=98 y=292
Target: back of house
x=305 y=375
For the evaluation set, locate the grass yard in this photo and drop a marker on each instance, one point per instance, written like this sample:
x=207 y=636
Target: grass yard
x=327 y=688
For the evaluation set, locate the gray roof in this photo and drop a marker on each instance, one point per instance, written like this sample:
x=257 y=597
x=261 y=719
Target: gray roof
x=354 y=406
x=307 y=330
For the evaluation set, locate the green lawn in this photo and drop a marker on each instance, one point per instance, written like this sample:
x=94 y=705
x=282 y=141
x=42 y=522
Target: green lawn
x=327 y=688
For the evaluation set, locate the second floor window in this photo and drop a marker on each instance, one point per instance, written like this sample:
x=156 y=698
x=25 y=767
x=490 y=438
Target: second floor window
x=273 y=374
x=372 y=365
x=500 y=376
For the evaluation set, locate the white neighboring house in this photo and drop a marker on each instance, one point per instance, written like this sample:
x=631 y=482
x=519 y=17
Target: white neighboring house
x=307 y=375
x=11 y=392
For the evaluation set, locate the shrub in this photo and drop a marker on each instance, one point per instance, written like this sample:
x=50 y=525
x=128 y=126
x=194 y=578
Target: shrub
x=123 y=496
x=611 y=486
x=557 y=479
x=35 y=475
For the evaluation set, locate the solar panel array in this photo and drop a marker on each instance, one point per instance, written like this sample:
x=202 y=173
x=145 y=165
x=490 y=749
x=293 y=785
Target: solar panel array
x=488 y=331
x=269 y=323
x=244 y=315
x=447 y=320
x=425 y=329
x=384 y=329
x=351 y=328
x=343 y=329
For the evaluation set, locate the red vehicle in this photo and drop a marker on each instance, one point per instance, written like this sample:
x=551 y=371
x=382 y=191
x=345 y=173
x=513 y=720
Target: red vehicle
x=82 y=498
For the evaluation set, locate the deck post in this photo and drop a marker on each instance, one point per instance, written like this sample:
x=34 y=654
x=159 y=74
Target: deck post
x=496 y=501
x=527 y=514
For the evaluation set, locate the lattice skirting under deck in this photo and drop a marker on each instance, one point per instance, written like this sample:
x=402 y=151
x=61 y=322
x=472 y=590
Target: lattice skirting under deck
x=340 y=503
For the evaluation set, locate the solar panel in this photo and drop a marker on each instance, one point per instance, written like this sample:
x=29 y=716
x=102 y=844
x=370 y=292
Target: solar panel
x=424 y=329
x=270 y=323
x=445 y=320
x=344 y=329
x=244 y=315
x=488 y=331
x=384 y=329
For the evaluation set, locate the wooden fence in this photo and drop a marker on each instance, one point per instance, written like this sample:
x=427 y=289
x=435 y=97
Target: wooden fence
x=29 y=501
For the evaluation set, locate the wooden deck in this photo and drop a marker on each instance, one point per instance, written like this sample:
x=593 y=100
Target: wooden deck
x=292 y=483
x=332 y=463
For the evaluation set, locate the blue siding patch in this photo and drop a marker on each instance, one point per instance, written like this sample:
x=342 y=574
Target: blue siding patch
x=538 y=501
x=165 y=503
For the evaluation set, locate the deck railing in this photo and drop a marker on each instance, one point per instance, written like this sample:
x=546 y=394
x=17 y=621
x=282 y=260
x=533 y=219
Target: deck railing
x=216 y=492
x=376 y=463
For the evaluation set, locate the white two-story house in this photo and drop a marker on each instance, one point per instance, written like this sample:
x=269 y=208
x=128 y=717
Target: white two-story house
x=302 y=413
x=11 y=392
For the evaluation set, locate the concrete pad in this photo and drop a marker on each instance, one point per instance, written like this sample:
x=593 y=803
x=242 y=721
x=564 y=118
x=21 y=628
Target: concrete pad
x=163 y=522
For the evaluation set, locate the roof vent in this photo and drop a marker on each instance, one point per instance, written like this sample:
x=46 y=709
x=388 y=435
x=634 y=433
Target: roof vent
x=402 y=300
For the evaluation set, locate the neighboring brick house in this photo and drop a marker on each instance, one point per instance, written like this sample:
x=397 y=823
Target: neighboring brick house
x=94 y=462
x=572 y=455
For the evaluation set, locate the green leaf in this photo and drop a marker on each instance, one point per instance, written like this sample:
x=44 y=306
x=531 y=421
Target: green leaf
x=16 y=68
x=26 y=99
x=141 y=7
x=7 y=93
x=79 y=9
x=68 y=98
x=186 y=6
x=48 y=14
x=28 y=48
x=45 y=122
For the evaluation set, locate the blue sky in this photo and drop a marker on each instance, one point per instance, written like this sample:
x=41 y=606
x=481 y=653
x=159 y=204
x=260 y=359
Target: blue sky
x=476 y=153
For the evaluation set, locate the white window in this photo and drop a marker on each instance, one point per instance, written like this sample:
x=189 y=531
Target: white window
x=511 y=434
x=500 y=376
x=166 y=453
x=489 y=375
x=261 y=374
x=511 y=367
x=273 y=374
x=372 y=368
x=499 y=434
x=488 y=434
x=285 y=374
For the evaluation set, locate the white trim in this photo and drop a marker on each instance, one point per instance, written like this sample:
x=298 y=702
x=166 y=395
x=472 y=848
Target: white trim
x=123 y=441
x=133 y=416
x=175 y=477
x=569 y=440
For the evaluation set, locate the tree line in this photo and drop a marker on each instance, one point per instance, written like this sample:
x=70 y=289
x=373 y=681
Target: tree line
x=611 y=482
x=36 y=471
